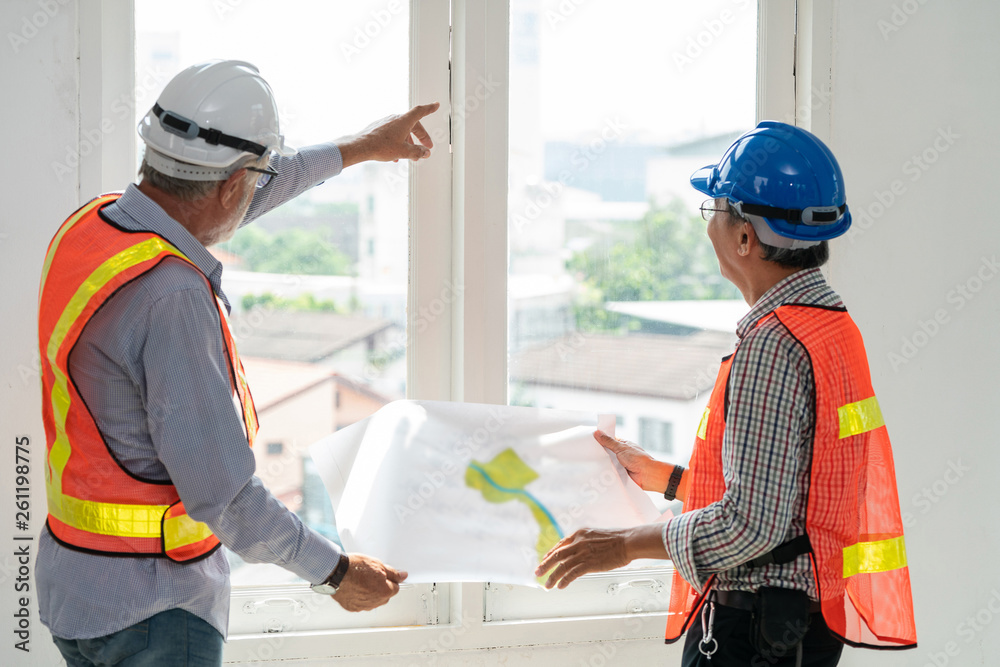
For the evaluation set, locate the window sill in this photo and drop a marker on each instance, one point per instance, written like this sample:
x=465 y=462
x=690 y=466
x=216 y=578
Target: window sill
x=423 y=641
x=303 y=622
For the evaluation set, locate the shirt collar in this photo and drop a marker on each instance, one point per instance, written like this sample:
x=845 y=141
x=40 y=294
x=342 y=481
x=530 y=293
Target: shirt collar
x=137 y=212
x=796 y=288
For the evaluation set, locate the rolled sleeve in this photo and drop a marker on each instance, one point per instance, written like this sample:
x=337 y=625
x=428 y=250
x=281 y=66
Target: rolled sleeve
x=678 y=540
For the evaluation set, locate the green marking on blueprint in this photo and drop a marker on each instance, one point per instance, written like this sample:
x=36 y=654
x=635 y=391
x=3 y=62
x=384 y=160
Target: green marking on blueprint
x=504 y=479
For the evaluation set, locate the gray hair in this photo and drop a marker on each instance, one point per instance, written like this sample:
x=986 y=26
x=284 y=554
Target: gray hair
x=800 y=258
x=188 y=190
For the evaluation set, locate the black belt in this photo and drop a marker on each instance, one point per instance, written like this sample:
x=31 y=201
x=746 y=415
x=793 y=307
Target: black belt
x=745 y=601
x=783 y=553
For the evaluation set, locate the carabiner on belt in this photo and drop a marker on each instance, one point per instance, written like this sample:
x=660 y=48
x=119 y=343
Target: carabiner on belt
x=708 y=644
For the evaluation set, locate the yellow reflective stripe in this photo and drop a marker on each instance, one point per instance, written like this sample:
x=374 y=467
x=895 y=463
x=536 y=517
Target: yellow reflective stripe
x=180 y=531
x=61 y=450
x=249 y=416
x=107 y=518
x=703 y=425
x=62 y=232
x=871 y=557
x=100 y=277
x=860 y=417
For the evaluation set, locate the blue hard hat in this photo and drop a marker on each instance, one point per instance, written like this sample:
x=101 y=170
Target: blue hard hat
x=785 y=176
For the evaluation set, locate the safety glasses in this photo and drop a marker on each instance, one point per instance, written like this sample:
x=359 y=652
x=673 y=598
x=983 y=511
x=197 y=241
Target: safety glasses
x=265 y=177
x=708 y=209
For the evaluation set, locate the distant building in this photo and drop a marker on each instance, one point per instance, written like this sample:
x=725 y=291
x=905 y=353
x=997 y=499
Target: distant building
x=656 y=385
x=297 y=405
x=540 y=308
x=668 y=174
x=618 y=175
x=344 y=341
x=684 y=316
x=627 y=171
x=229 y=261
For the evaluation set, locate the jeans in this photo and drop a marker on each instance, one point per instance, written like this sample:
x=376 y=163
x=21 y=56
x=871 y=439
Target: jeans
x=732 y=630
x=172 y=638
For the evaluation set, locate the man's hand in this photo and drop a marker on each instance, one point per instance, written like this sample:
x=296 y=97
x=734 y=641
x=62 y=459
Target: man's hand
x=582 y=552
x=392 y=138
x=596 y=550
x=647 y=472
x=369 y=583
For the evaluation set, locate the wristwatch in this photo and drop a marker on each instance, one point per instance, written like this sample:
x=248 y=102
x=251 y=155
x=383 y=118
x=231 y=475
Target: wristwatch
x=674 y=482
x=332 y=583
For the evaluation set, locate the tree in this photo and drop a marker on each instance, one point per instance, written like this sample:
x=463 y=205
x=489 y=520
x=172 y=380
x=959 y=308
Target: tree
x=306 y=301
x=290 y=251
x=668 y=257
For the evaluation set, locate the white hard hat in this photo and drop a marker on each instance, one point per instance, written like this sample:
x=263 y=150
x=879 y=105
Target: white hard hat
x=208 y=117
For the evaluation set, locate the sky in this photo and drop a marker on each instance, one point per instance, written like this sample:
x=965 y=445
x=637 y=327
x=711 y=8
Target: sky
x=671 y=69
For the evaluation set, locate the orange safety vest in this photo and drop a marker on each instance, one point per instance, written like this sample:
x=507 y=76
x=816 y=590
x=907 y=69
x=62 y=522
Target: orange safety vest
x=852 y=518
x=95 y=505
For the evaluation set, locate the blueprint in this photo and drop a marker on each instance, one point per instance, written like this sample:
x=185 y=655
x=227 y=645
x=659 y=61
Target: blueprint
x=469 y=492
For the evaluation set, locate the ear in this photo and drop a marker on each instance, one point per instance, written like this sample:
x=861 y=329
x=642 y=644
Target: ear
x=231 y=190
x=748 y=240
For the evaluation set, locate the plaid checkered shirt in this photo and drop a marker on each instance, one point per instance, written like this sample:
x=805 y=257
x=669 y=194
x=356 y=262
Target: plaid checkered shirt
x=766 y=452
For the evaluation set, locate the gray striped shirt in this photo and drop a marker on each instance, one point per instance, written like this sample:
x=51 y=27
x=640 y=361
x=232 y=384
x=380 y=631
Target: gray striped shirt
x=152 y=369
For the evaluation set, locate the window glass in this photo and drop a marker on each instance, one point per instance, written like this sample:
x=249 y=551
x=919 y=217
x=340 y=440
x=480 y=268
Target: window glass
x=318 y=286
x=657 y=436
x=616 y=301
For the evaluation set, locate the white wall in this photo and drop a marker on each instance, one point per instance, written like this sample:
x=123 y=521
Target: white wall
x=892 y=96
x=40 y=80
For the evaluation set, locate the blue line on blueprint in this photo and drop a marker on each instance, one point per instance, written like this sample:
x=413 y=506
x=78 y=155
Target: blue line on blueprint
x=475 y=466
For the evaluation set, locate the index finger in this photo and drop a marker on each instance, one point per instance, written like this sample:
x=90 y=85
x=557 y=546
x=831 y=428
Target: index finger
x=421 y=110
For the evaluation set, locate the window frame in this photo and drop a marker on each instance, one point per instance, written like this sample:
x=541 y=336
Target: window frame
x=456 y=343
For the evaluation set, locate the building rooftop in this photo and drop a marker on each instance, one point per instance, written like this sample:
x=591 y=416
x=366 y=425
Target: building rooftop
x=294 y=335
x=661 y=366
x=712 y=314
x=711 y=145
x=228 y=259
x=273 y=382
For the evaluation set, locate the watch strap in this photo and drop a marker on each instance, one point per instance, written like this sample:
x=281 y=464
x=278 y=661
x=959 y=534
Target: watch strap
x=338 y=573
x=674 y=482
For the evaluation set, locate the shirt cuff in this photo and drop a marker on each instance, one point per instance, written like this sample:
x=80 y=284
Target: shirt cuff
x=316 y=558
x=678 y=540
x=324 y=161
